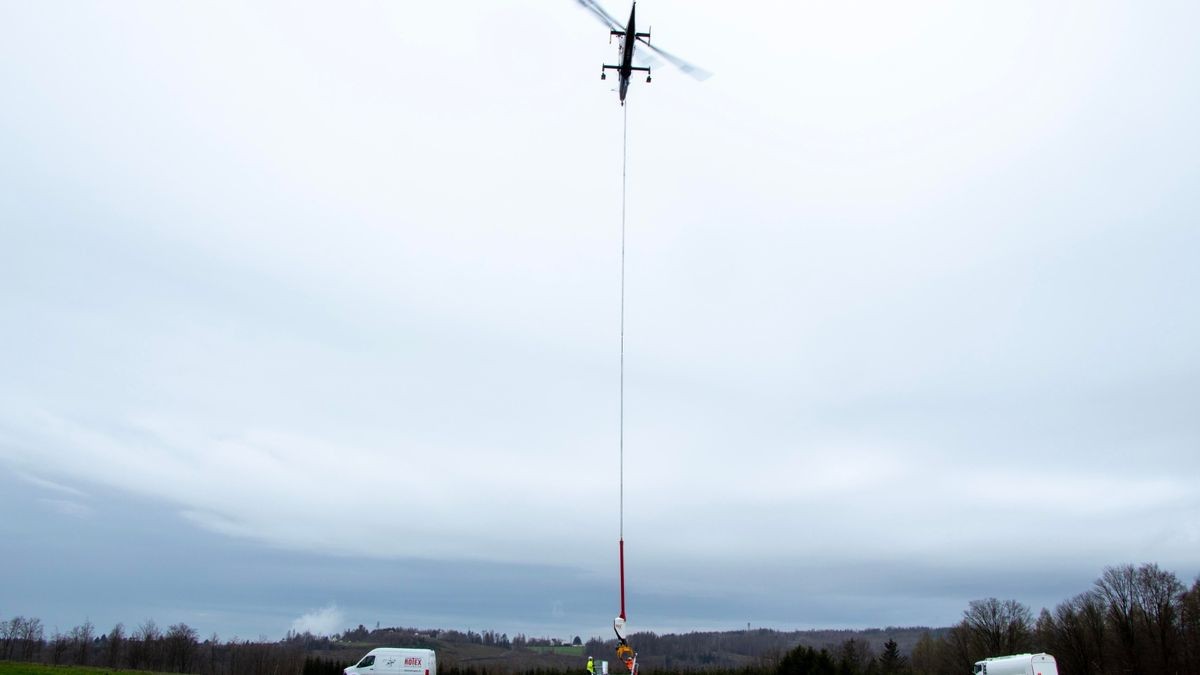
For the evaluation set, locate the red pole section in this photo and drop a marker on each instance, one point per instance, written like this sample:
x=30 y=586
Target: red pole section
x=622 y=578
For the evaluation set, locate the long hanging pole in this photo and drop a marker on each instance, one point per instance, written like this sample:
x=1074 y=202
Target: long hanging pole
x=621 y=425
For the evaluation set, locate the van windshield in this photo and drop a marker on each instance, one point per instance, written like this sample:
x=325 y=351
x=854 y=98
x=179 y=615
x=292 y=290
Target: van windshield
x=367 y=661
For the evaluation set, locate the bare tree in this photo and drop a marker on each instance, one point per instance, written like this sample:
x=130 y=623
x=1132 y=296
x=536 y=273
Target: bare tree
x=999 y=627
x=148 y=630
x=1118 y=586
x=1158 y=596
x=212 y=643
x=116 y=640
x=59 y=646
x=81 y=641
x=32 y=634
x=149 y=651
x=8 y=635
x=1092 y=613
x=1190 y=627
x=1075 y=633
x=181 y=644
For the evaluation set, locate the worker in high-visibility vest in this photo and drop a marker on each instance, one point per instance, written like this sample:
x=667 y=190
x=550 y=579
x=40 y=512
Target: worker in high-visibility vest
x=591 y=666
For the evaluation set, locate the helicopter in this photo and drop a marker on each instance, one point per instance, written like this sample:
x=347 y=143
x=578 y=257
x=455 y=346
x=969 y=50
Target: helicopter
x=629 y=37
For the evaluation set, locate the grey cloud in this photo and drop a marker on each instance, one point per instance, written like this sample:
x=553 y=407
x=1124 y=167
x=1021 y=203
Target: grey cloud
x=299 y=324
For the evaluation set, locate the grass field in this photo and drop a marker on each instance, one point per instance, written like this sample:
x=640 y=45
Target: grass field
x=16 y=668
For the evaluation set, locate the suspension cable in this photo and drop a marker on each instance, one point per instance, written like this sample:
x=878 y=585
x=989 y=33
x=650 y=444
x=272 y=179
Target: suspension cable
x=621 y=396
x=621 y=430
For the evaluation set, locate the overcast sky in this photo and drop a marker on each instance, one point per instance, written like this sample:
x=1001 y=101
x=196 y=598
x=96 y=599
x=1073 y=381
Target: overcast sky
x=309 y=312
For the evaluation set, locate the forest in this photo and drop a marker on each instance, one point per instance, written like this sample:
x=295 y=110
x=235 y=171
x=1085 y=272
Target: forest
x=1134 y=619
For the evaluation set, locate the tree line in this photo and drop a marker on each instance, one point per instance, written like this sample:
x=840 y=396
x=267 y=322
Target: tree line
x=177 y=649
x=713 y=650
x=1132 y=620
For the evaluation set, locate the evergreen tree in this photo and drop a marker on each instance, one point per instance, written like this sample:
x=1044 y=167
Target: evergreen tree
x=807 y=661
x=890 y=661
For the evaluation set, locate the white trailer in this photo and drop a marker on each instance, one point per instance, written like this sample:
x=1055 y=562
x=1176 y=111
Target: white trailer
x=1017 y=664
x=394 y=661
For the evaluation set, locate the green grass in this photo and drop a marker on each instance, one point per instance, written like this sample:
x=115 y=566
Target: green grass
x=16 y=668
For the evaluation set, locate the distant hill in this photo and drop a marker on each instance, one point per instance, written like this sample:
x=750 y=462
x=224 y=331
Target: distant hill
x=731 y=649
x=688 y=651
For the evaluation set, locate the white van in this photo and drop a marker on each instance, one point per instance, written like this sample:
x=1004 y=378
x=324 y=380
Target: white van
x=1017 y=664
x=393 y=661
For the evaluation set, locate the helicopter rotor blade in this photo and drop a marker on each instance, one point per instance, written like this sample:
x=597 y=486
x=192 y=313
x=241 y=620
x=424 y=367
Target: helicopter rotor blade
x=691 y=69
x=606 y=18
x=646 y=58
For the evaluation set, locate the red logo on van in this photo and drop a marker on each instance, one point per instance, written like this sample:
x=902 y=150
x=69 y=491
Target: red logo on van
x=412 y=661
